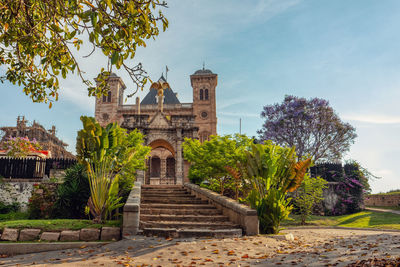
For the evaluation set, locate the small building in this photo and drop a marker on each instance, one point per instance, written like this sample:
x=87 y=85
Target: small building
x=164 y=121
x=46 y=138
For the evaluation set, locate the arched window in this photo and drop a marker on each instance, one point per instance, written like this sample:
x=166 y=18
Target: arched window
x=206 y=94
x=201 y=94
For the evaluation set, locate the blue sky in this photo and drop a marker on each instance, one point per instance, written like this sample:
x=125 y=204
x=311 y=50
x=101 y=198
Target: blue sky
x=344 y=51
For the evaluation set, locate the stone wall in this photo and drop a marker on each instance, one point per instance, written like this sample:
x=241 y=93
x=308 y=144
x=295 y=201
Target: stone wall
x=19 y=191
x=382 y=200
x=16 y=192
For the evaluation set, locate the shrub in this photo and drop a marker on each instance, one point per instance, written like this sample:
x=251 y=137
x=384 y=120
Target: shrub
x=73 y=194
x=110 y=155
x=41 y=203
x=273 y=171
x=7 y=208
x=309 y=194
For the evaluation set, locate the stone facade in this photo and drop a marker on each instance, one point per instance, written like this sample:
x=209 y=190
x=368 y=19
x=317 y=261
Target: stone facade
x=164 y=121
x=46 y=138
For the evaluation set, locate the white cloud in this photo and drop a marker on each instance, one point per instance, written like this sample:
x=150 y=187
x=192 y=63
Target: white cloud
x=373 y=118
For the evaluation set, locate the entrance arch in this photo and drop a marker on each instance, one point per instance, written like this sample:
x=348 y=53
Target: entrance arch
x=161 y=164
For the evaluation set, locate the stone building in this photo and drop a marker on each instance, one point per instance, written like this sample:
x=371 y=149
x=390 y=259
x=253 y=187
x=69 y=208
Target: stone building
x=164 y=121
x=46 y=138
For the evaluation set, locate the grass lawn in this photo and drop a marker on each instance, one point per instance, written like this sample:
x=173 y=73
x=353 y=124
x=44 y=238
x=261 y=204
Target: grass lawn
x=56 y=224
x=385 y=207
x=13 y=216
x=364 y=219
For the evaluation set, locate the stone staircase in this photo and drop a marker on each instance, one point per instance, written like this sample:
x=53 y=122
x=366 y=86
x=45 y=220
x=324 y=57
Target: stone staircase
x=171 y=211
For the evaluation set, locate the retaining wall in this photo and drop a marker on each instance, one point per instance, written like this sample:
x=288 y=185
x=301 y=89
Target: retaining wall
x=131 y=212
x=382 y=200
x=238 y=213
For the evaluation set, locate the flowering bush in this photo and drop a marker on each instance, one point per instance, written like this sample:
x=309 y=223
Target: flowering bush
x=20 y=147
x=41 y=203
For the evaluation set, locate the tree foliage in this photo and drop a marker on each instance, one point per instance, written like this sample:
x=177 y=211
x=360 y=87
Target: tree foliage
x=311 y=126
x=40 y=39
x=309 y=194
x=210 y=159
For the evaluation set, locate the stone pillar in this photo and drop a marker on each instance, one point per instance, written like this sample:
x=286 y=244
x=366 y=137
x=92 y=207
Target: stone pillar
x=138 y=105
x=163 y=168
x=140 y=176
x=179 y=159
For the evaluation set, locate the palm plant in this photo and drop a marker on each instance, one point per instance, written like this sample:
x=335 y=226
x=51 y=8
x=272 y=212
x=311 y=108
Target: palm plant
x=273 y=171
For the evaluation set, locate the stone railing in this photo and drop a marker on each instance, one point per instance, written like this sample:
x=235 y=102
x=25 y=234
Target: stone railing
x=131 y=212
x=238 y=213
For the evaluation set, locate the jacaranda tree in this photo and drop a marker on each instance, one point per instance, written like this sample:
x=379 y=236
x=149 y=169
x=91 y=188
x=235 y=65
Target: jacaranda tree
x=311 y=125
x=40 y=39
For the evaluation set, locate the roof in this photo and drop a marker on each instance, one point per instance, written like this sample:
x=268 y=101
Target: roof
x=203 y=72
x=169 y=96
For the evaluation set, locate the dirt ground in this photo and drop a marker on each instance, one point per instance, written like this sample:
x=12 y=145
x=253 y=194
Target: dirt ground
x=311 y=247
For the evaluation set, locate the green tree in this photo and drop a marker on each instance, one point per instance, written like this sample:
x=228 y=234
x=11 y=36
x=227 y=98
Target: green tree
x=309 y=194
x=110 y=156
x=273 y=172
x=210 y=159
x=40 y=40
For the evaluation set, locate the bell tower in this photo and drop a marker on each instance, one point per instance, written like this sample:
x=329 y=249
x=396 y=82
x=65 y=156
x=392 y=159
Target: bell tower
x=106 y=109
x=204 y=83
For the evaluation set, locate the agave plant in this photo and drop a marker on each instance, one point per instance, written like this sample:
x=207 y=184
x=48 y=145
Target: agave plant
x=273 y=171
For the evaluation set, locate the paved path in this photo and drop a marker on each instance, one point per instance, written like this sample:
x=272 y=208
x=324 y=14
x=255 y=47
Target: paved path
x=311 y=247
x=384 y=210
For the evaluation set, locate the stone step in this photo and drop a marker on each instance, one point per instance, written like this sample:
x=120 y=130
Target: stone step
x=164 y=190
x=175 y=206
x=173 y=201
x=184 y=218
x=167 y=196
x=144 y=187
x=185 y=233
x=151 y=193
x=187 y=225
x=157 y=211
x=173 y=193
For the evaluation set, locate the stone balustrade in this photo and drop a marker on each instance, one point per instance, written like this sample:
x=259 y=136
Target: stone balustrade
x=238 y=213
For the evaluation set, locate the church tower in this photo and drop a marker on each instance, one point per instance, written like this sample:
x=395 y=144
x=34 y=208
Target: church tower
x=204 y=82
x=106 y=109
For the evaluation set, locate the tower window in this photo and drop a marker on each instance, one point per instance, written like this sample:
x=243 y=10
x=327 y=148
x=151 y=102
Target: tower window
x=206 y=94
x=201 y=94
x=107 y=98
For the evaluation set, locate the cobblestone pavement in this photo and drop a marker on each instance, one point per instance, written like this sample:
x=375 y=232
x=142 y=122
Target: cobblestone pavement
x=310 y=247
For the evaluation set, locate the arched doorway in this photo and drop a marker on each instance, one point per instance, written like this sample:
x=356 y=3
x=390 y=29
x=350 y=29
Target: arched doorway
x=161 y=164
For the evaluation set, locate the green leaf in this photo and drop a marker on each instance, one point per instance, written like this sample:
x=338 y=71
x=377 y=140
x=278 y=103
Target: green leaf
x=114 y=58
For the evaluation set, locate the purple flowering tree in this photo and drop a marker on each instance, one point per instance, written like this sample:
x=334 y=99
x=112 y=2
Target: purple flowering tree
x=310 y=125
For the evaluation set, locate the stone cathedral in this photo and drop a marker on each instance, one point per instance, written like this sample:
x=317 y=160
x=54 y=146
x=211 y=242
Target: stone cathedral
x=164 y=121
